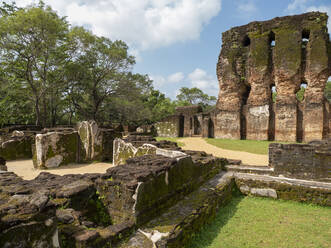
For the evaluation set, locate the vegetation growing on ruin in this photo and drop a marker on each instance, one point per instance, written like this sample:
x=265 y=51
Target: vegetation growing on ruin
x=262 y=222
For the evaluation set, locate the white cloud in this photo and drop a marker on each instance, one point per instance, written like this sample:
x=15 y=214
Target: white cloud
x=246 y=7
x=198 y=78
x=297 y=5
x=144 y=24
x=158 y=81
x=176 y=77
x=161 y=81
x=207 y=83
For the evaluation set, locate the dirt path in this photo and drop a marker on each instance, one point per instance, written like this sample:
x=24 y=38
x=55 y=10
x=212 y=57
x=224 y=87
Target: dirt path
x=25 y=169
x=199 y=144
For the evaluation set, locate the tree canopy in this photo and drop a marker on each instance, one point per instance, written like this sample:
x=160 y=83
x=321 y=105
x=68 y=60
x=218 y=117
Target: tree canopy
x=53 y=73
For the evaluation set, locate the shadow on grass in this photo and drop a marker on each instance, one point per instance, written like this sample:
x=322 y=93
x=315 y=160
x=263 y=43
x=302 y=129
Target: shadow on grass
x=205 y=237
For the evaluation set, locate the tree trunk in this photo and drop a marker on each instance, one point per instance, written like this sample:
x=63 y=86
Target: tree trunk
x=37 y=112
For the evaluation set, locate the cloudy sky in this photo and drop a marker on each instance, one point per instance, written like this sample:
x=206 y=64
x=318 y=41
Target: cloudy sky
x=175 y=42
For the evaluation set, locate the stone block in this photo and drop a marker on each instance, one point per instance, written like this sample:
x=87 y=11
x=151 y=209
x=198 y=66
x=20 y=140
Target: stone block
x=56 y=149
x=257 y=119
x=227 y=125
x=17 y=148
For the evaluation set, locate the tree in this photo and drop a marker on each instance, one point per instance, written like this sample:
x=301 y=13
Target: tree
x=97 y=71
x=32 y=46
x=194 y=96
x=159 y=105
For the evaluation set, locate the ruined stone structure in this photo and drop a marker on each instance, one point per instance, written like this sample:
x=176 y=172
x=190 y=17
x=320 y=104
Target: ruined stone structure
x=280 y=55
x=154 y=200
x=284 y=53
x=188 y=121
x=54 y=147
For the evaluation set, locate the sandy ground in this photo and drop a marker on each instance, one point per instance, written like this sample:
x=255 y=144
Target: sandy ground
x=199 y=144
x=25 y=169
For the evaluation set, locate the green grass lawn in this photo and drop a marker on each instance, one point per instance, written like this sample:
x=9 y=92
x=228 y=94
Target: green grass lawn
x=261 y=222
x=252 y=146
x=180 y=144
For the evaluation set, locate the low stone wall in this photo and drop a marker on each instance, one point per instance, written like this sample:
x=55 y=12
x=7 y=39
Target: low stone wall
x=17 y=147
x=169 y=127
x=146 y=185
x=286 y=189
x=97 y=143
x=56 y=149
x=310 y=161
x=135 y=146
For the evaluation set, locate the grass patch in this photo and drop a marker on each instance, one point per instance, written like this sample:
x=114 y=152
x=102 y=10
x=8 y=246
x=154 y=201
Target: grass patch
x=252 y=146
x=262 y=222
x=173 y=139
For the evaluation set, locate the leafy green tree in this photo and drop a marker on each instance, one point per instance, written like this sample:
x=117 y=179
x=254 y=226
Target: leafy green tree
x=32 y=46
x=194 y=96
x=159 y=105
x=96 y=72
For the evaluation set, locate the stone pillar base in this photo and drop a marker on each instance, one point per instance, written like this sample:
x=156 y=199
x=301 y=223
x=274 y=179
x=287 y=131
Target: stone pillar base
x=228 y=125
x=313 y=117
x=258 y=122
x=286 y=122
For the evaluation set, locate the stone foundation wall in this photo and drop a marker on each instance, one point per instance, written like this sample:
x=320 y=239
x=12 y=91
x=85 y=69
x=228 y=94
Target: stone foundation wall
x=169 y=127
x=14 y=148
x=302 y=161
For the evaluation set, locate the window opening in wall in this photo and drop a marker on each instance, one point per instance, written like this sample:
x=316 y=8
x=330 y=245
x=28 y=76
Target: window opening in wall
x=273 y=93
x=246 y=95
x=305 y=37
x=246 y=41
x=191 y=123
x=272 y=39
x=301 y=92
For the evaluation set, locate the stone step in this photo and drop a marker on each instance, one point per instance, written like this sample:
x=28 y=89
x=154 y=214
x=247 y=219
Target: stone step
x=260 y=170
x=174 y=227
x=284 y=188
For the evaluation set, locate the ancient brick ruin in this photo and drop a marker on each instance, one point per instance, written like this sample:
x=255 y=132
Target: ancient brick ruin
x=283 y=53
x=280 y=55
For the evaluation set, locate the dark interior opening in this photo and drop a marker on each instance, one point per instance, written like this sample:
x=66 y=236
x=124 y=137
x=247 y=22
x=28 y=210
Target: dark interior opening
x=210 y=128
x=246 y=41
x=243 y=120
x=181 y=126
x=246 y=95
x=272 y=39
x=191 y=123
x=197 y=126
x=272 y=123
x=299 y=124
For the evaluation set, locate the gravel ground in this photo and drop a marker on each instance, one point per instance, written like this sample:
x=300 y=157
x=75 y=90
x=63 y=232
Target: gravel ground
x=199 y=144
x=25 y=169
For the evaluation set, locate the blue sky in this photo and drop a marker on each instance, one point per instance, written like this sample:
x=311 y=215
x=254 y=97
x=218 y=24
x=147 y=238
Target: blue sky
x=176 y=42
